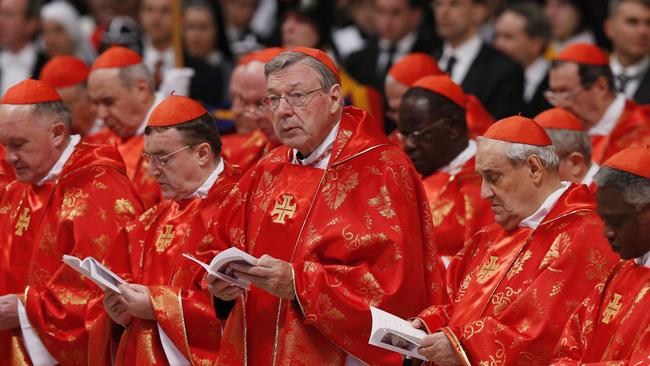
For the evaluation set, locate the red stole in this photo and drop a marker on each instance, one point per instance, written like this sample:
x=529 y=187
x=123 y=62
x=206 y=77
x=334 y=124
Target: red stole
x=632 y=129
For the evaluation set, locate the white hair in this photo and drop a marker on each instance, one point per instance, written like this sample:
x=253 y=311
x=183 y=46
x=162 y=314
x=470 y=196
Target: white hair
x=518 y=153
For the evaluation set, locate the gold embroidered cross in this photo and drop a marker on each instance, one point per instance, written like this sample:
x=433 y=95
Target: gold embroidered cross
x=283 y=209
x=23 y=222
x=487 y=269
x=165 y=238
x=612 y=309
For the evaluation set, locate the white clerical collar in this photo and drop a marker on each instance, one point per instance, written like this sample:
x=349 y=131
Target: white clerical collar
x=402 y=47
x=534 y=75
x=157 y=99
x=152 y=55
x=455 y=166
x=589 y=177
x=632 y=71
x=643 y=260
x=58 y=166
x=607 y=122
x=536 y=218
x=205 y=188
x=320 y=150
x=464 y=55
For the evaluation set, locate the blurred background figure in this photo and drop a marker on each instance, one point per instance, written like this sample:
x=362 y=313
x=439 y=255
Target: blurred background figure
x=352 y=36
x=628 y=28
x=20 y=55
x=238 y=16
x=62 y=33
x=122 y=31
x=522 y=32
x=569 y=21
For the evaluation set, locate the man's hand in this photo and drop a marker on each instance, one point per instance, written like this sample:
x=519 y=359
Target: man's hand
x=115 y=309
x=418 y=324
x=437 y=348
x=272 y=275
x=222 y=289
x=137 y=302
x=9 y=312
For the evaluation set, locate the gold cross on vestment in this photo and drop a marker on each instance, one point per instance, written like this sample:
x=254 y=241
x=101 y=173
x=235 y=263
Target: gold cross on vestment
x=23 y=222
x=612 y=308
x=165 y=238
x=283 y=209
x=487 y=269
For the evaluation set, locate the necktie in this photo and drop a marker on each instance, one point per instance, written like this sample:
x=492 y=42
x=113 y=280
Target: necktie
x=622 y=82
x=157 y=72
x=450 y=65
x=389 y=62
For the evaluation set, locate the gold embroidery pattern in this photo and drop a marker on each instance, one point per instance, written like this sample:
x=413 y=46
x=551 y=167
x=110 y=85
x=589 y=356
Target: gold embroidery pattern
x=519 y=264
x=74 y=204
x=4 y=209
x=383 y=203
x=355 y=241
x=612 y=309
x=327 y=312
x=369 y=287
x=561 y=241
x=487 y=269
x=165 y=238
x=99 y=185
x=499 y=357
x=597 y=267
x=23 y=222
x=439 y=210
x=284 y=208
x=463 y=287
x=501 y=300
x=237 y=237
x=124 y=207
x=557 y=288
x=472 y=328
x=336 y=188
x=469 y=207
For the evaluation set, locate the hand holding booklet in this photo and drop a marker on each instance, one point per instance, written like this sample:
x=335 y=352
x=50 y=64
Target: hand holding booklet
x=395 y=334
x=218 y=267
x=96 y=272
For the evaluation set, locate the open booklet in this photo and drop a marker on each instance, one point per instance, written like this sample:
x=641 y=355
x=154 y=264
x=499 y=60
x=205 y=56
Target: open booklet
x=96 y=272
x=219 y=264
x=395 y=334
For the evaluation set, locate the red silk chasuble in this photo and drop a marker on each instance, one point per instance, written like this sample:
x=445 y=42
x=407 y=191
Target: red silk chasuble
x=357 y=234
x=510 y=291
x=632 y=129
x=613 y=324
x=457 y=209
x=136 y=167
x=90 y=199
x=244 y=150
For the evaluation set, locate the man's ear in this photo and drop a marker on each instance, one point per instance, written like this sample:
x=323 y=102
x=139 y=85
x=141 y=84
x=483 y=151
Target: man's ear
x=536 y=168
x=336 y=98
x=59 y=133
x=578 y=162
x=203 y=153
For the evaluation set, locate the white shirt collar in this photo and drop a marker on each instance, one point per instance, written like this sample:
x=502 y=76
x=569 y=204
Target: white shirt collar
x=158 y=98
x=152 y=55
x=643 y=260
x=534 y=75
x=634 y=70
x=58 y=166
x=464 y=54
x=402 y=46
x=455 y=166
x=607 y=122
x=589 y=177
x=319 y=150
x=538 y=216
x=204 y=189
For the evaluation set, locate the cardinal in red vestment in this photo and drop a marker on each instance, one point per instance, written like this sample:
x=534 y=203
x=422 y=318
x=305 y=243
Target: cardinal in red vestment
x=516 y=280
x=339 y=221
x=572 y=145
x=71 y=199
x=168 y=315
x=122 y=88
x=612 y=327
x=581 y=82
x=432 y=120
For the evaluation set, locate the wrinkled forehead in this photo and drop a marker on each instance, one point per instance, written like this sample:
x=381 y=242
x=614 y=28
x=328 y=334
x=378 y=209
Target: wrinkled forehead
x=296 y=76
x=104 y=80
x=491 y=154
x=158 y=142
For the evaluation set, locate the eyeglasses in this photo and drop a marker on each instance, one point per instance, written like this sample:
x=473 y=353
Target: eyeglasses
x=554 y=97
x=294 y=99
x=256 y=107
x=417 y=136
x=161 y=161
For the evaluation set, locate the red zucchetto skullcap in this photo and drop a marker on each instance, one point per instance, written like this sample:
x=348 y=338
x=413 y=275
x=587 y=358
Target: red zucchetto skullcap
x=30 y=91
x=560 y=119
x=63 y=71
x=583 y=53
x=443 y=85
x=117 y=56
x=519 y=130
x=320 y=56
x=175 y=110
x=262 y=56
x=414 y=67
x=635 y=160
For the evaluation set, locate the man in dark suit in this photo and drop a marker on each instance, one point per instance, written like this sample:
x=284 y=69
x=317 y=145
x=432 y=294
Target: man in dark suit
x=20 y=57
x=398 y=33
x=628 y=27
x=522 y=32
x=494 y=78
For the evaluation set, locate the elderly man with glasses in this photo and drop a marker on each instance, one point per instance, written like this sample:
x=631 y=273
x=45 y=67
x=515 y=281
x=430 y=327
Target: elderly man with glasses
x=167 y=315
x=339 y=221
x=432 y=121
x=581 y=82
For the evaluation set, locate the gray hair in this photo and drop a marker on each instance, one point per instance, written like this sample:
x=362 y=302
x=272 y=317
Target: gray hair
x=286 y=59
x=131 y=74
x=536 y=23
x=519 y=153
x=613 y=4
x=635 y=189
x=568 y=141
x=56 y=111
